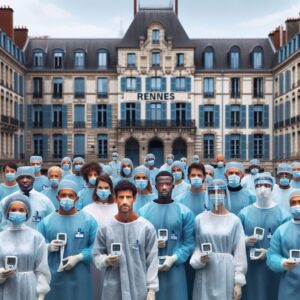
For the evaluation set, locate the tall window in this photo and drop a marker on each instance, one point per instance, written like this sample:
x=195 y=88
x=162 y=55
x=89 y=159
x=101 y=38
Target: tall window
x=179 y=59
x=209 y=115
x=235 y=87
x=57 y=87
x=209 y=58
x=58 y=59
x=37 y=116
x=102 y=87
x=258 y=116
x=79 y=145
x=258 y=87
x=209 y=146
x=79 y=87
x=235 y=116
x=208 y=87
x=103 y=59
x=79 y=119
x=155 y=36
x=156 y=111
x=38 y=144
x=257 y=58
x=38 y=58
x=37 y=87
x=131 y=60
x=234 y=57
x=131 y=84
x=235 y=146
x=79 y=59
x=155 y=59
x=57 y=116
x=181 y=115
x=102 y=115
x=156 y=84
x=130 y=114
x=102 y=146
x=258 y=144
x=57 y=146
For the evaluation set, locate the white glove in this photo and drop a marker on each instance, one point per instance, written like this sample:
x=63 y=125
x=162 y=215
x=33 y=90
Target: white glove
x=112 y=260
x=41 y=297
x=72 y=261
x=262 y=255
x=288 y=265
x=237 y=292
x=251 y=240
x=150 y=295
x=161 y=244
x=6 y=273
x=54 y=245
x=204 y=258
x=169 y=261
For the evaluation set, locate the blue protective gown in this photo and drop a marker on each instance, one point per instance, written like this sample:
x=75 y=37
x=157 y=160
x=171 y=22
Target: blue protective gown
x=282 y=197
x=41 y=183
x=295 y=184
x=153 y=174
x=7 y=190
x=219 y=173
x=142 y=200
x=262 y=283
x=180 y=188
x=286 y=237
x=165 y=167
x=239 y=199
x=51 y=194
x=85 y=197
x=116 y=168
x=81 y=228
x=130 y=179
x=179 y=220
x=77 y=179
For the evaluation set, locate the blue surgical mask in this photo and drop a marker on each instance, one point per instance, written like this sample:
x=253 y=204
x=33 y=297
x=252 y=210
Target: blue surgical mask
x=295 y=211
x=141 y=184
x=66 y=203
x=17 y=218
x=37 y=169
x=77 y=168
x=151 y=162
x=254 y=171
x=169 y=161
x=10 y=176
x=234 y=180
x=66 y=167
x=220 y=164
x=92 y=180
x=177 y=175
x=284 y=181
x=196 y=182
x=296 y=174
x=208 y=179
x=54 y=182
x=127 y=171
x=103 y=194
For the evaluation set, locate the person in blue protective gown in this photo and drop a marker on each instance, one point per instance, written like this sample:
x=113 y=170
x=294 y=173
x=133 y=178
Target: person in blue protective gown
x=144 y=188
x=262 y=283
x=240 y=197
x=125 y=172
x=41 y=181
x=115 y=164
x=286 y=238
x=295 y=182
x=165 y=213
x=167 y=166
x=66 y=166
x=180 y=186
x=54 y=177
x=248 y=180
x=76 y=177
x=183 y=160
x=90 y=171
x=283 y=188
x=150 y=164
x=69 y=263
x=41 y=206
x=9 y=185
x=209 y=173
x=220 y=274
x=31 y=278
x=195 y=158
x=220 y=168
x=132 y=274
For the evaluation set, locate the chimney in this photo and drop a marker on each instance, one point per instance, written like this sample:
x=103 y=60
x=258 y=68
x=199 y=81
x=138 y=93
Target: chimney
x=21 y=36
x=134 y=7
x=6 y=21
x=276 y=38
x=176 y=7
x=292 y=27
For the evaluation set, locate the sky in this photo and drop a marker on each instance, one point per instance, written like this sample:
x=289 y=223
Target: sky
x=111 y=18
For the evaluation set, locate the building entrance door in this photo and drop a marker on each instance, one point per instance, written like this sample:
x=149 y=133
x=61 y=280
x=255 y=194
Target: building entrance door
x=132 y=151
x=179 y=148
x=156 y=147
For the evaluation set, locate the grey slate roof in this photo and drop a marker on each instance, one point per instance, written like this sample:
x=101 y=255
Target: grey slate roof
x=145 y=18
x=68 y=46
x=222 y=49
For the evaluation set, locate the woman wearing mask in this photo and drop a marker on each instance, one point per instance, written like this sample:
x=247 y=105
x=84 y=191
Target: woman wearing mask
x=221 y=274
x=102 y=209
x=89 y=171
x=66 y=166
x=180 y=186
x=144 y=189
x=209 y=173
x=262 y=283
x=126 y=171
x=30 y=280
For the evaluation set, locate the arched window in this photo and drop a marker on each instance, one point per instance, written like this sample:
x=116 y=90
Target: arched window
x=257 y=57
x=58 y=58
x=235 y=57
x=209 y=58
x=38 y=58
x=79 y=58
x=103 y=56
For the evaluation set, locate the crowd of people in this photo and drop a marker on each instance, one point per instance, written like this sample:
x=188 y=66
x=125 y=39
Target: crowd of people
x=180 y=231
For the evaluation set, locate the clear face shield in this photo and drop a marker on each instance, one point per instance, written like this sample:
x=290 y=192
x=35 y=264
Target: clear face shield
x=218 y=196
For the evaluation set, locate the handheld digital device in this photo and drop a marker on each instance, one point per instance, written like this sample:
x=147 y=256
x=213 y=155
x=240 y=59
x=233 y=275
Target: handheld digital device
x=259 y=233
x=254 y=253
x=11 y=262
x=163 y=235
x=116 y=249
x=206 y=248
x=295 y=255
x=161 y=260
x=64 y=261
x=62 y=237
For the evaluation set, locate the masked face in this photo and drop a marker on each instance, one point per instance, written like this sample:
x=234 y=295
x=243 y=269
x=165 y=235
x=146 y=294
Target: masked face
x=169 y=161
x=284 y=181
x=254 y=171
x=127 y=171
x=234 y=180
x=141 y=184
x=10 y=176
x=66 y=203
x=67 y=198
x=103 y=194
x=263 y=193
x=54 y=182
x=66 y=167
x=196 y=182
x=220 y=164
x=17 y=213
x=296 y=174
x=77 y=167
x=217 y=199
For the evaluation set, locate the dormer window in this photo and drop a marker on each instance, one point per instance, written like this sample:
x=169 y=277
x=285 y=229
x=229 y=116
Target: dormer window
x=79 y=59
x=38 y=58
x=155 y=36
x=103 y=59
x=235 y=57
x=58 y=56
x=209 y=58
x=257 y=58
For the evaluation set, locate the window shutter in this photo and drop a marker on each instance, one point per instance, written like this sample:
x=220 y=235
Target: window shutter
x=188 y=84
x=201 y=116
x=47 y=116
x=64 y=116
x=251 y=145
x=164 y=111
x=29 y=116
x=138 y=111
x=243 y=152
x=123 y=111
x=227 y=112
x=173 y=111
x=148 y=111
x=163 y=84
x=216 y=116
x=123 y=84
x=109 y=116
x=138 y=84
x=65 y=145
x=243 y=116
x=227 y=146
x=288 y=145
x=266 y=116
x=266 y=146
x=45 y=146
x=251 y=118
x=188 y=107
x=94 y=116
x=148 y=84
x=173 y=84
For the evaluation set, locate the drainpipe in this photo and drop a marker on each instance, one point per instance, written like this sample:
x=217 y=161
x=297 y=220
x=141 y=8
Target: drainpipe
x=222 y=112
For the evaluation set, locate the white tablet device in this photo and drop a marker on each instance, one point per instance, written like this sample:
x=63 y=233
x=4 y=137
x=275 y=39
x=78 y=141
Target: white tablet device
x=62 y=237
x=163 y=234
x=206 y=248
x=259 y=233
x=116 y=249
x=295 y=255
x=11 y=262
